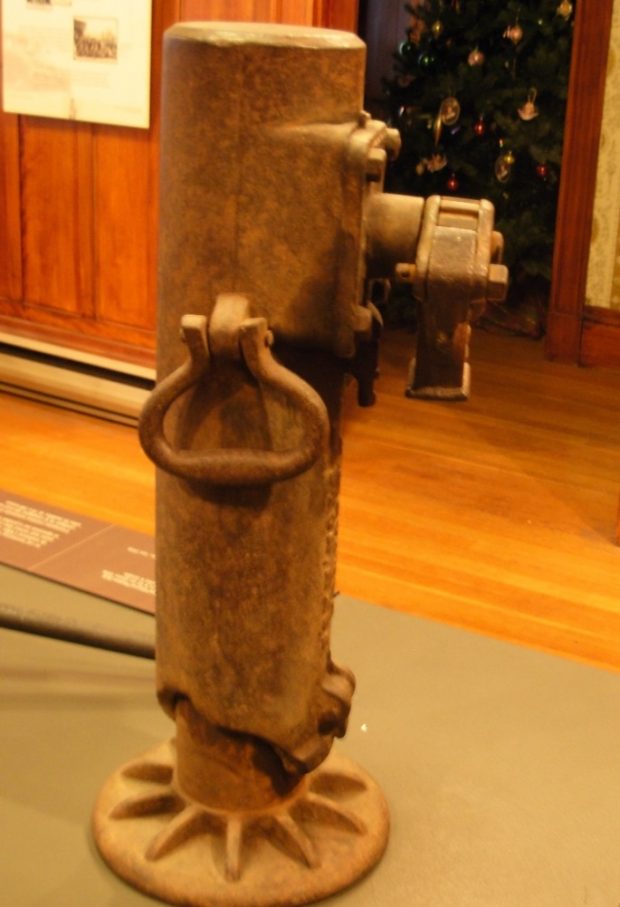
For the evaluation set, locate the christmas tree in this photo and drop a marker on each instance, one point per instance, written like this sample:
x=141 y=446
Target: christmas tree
x=478 y=94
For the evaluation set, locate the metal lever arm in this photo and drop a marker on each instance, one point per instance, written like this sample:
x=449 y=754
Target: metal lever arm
x=234 y=466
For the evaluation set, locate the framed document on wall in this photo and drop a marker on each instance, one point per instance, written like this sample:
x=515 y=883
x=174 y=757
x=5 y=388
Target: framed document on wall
x=78 y=59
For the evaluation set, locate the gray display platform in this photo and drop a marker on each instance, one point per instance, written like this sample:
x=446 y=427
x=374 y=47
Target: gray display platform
x=501 y=765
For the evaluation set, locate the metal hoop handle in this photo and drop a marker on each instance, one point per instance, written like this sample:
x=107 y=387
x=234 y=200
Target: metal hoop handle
x=234 y=466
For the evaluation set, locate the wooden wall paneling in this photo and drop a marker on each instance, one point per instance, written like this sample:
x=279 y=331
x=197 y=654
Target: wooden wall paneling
x=57 y=229
x=341 y=14
x=326 y=13
x=267 y=11
x=297 y=12
x=79 y=205
x=126 y=191
x=294 y=12
x=576 y=197
x=11 y=284
x=126 y=197
x=226 y=10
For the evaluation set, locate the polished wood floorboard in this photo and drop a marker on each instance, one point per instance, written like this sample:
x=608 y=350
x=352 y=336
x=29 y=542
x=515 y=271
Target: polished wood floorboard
x=497 y=515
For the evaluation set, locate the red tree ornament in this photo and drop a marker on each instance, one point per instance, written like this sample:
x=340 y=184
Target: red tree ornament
x=452 y=183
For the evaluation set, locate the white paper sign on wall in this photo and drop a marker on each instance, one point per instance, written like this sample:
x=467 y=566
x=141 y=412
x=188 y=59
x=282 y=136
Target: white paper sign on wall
x=83 y=60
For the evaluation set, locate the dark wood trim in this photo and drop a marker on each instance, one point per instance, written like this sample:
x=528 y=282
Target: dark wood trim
x=601 y=315
x=600 y=337
x=576 y=197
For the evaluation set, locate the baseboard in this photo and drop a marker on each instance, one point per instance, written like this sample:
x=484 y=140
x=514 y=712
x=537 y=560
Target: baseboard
x=562 y=337
x=600 y=337
x=89 y=386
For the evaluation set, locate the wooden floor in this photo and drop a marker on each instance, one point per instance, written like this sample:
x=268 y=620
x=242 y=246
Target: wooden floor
x=497 y=515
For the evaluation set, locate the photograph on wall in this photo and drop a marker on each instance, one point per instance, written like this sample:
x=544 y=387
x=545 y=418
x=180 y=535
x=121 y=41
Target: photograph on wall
x=95 y=38
x=86 y=60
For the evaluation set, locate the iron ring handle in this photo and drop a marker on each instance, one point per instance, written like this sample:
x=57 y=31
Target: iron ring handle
x=234 y=466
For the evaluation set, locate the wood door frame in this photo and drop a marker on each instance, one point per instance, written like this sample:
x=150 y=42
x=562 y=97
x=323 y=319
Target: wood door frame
x=582 y=133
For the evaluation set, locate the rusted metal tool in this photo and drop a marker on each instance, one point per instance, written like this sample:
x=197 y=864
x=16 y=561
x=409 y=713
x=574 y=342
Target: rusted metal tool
x=273 y=221
x=457 y=271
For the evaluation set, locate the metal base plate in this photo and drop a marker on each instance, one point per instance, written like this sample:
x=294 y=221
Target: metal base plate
x=314 y=843
x=436 y=392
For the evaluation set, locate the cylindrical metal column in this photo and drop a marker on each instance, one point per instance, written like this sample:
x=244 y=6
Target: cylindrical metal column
x=267 y=165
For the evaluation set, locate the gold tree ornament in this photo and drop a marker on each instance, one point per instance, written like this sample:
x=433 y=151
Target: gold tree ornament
x=529 y=110
x=437 y=127
x=449 y=111
x=565 y=9
x=436 y=162
x=476 y=57
x=514 y=33
x=504 y=165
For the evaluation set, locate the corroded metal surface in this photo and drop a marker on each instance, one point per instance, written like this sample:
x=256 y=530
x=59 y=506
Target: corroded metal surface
x=272 y=224
x=267 y=162
x=268 y=166
x=457 y=270
x=297 y=849
x=245 y=541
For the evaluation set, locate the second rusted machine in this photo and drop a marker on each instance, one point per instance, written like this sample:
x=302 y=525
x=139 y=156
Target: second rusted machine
x=457 y=271
x=273 y=221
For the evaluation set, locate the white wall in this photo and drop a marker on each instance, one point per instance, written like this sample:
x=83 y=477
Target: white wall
x=603 y=284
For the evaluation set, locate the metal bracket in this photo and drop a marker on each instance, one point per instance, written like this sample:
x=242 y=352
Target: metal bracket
x=231 y=334
x=457 y=269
